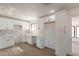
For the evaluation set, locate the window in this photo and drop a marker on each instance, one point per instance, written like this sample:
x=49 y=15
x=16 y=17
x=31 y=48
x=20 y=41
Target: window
x=77 y=31
x=33 y=28
x=73 y=31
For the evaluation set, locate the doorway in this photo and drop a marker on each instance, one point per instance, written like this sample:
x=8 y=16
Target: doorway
x=75 y=36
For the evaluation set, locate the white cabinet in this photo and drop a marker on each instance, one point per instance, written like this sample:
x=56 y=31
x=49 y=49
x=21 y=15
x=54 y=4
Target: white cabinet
x=7 y=38
x=31 y=39
x=40 y=42
x=49 y=34
x=28 y=39
x=6 y=42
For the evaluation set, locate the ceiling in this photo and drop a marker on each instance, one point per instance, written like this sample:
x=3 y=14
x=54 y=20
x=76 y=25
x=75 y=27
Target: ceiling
x=31 y=11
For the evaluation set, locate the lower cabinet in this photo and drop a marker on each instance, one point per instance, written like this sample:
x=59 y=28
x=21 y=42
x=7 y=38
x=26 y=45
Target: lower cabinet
x=31 y=39
x=40 y=42
x=4 y=43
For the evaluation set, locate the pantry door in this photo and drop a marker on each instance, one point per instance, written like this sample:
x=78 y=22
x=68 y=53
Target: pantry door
x=49 y=31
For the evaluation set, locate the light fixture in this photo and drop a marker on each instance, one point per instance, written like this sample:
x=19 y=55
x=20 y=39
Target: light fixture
x=52 y=11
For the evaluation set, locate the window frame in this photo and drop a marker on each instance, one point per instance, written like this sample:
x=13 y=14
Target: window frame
x=33 y=30
x=77 y=31
x=74 y=32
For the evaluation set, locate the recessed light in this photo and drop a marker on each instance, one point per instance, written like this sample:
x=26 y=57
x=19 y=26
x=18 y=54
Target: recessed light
x=52 y=11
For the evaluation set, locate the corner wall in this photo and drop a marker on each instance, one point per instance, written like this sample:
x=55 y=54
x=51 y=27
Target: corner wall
x=63 y=41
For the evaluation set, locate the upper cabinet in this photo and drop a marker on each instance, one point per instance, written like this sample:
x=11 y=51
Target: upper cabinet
x=6 y=24
x=11 y=24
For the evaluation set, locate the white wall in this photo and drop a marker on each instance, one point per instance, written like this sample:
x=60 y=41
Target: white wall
x=60 y=45
x=75 y=20
x=68 y=32
x=63 y=41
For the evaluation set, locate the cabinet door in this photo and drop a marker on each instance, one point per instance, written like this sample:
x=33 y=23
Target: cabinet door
x=28 y=39
x=18 y=27
x=49 y=34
